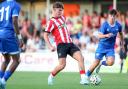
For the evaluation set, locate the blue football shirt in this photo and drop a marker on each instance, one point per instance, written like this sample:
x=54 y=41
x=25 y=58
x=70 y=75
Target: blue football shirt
x=8 y=9
x=106 y=44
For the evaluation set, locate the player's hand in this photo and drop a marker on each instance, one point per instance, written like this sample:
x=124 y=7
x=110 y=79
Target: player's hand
x=21 y=43
x=109 y=35
x=20 y=40
x=52 y=48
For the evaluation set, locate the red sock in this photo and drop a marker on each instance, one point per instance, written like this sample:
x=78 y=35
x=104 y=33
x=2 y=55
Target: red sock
x=82 y=71
x=53 y=74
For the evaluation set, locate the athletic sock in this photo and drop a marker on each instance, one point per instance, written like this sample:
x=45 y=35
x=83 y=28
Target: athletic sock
x=82 y=73
x=52 y=74
x=88 y=74
x=104 y=63
x=7 y=75
x=1 y=74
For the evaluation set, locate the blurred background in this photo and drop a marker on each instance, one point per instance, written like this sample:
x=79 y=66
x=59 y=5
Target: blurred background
x=84 y=17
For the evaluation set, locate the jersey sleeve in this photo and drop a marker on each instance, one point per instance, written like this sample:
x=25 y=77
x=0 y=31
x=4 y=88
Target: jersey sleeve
x=102 y=28
x=49 y=26
x=16 y=10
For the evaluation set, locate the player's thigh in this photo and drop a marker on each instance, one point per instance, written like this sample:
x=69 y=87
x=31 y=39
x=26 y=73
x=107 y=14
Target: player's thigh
x=6 y=57
x=62 y=50
x=75 y=52
x=99 y=56
x=78 y=56
x=16 y=57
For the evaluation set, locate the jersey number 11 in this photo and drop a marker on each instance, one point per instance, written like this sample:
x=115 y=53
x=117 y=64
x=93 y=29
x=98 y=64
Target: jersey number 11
x=2 y=11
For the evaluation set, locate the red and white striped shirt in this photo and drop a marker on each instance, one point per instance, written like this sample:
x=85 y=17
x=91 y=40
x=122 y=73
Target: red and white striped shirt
x=58 y=28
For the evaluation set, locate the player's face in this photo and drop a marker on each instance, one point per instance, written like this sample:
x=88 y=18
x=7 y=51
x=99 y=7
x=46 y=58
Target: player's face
x=58 y=12
x=112 y=18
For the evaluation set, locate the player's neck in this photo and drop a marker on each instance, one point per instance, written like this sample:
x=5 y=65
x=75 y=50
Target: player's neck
x=111 y=23
x=56 y=16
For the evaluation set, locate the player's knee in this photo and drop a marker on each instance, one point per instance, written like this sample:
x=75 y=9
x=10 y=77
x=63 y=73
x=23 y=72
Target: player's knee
x=81 y=59
x=110 y=63
x=17 y=61
x=7 y=61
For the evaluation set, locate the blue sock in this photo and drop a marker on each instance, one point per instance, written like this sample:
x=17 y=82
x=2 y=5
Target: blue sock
x=1 y=74
x=88 y=73
x=104 y=63
x=7 y=75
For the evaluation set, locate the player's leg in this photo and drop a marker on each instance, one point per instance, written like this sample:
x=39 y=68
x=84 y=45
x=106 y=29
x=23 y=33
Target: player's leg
x=4 y=64
x=122 y=55
x=10 y=71
x=78 y=56
x=121 y=65
x=11 y=47
x=62 y=54
x=58 y=68
x=12 y=67
x=110 y=58
x=3 y=69
x=98 y=58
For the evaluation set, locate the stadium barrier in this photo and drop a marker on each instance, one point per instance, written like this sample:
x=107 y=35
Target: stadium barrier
x=46 y=61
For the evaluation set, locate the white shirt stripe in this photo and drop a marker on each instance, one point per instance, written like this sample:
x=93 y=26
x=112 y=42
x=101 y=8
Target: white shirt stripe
x=52 y=28
x=47 y=28
x=65 y=29
x=60 y=30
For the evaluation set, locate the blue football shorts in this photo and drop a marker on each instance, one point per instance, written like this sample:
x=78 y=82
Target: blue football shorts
x=9 y=46
x=99 y=55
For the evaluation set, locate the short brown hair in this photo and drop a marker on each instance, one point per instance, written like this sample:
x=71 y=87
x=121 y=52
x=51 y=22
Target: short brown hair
x=58 y=5
x=113 y=12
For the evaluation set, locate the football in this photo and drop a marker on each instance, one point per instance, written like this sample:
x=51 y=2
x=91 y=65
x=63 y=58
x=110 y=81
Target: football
x=95 y=79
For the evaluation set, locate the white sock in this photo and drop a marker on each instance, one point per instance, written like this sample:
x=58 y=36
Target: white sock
x=82 y=76
x=51 y=75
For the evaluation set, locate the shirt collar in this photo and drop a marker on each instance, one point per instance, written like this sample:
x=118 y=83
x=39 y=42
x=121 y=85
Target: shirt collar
x=112 y=25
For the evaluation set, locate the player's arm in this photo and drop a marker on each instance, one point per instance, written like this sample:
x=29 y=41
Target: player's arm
x=15 y=24
x=101 y=35
x=121 y=37
x=15 y=14
x=46 y=38
x=16 y=29
x=121 y=40
x=49 y=29
x=102 y=32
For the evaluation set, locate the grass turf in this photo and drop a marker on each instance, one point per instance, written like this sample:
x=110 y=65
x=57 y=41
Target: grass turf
x=38 y=80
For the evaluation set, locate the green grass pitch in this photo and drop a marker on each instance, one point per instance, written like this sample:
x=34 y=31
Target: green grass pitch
x=38 y=80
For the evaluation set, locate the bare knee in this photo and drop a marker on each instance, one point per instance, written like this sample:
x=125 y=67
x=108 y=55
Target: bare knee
x=80 y=59
x=6 y=61
x=16 y=59
x=110 y=63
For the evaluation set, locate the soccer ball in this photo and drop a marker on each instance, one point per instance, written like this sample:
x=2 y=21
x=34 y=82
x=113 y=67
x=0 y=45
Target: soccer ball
x=95 y=80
